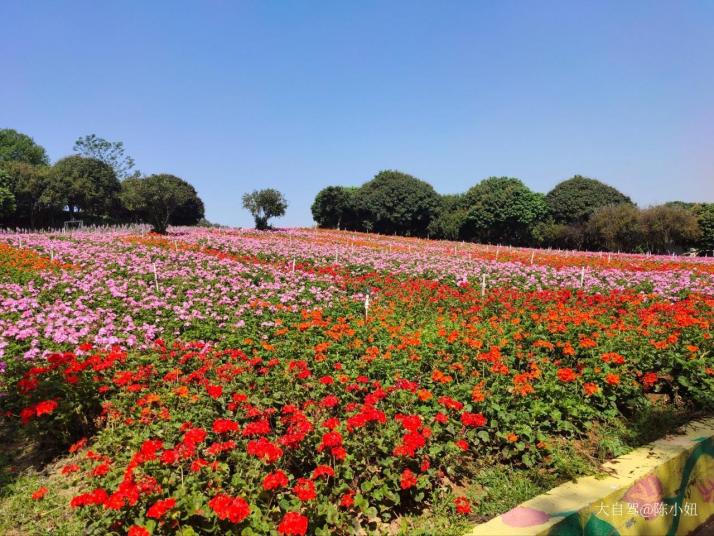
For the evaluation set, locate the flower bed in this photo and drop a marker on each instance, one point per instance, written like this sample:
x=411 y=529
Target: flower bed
x=232 y=381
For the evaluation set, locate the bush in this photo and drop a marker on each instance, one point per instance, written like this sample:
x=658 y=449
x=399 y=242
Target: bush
x=574 y=200
x=394 y=202
x=502 y=210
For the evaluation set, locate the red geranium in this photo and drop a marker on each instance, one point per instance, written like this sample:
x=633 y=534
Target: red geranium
x=160 y=507
x=274 y=480
x=293 y=524
x=408 y=479
x=234 y=509
x=304 y=489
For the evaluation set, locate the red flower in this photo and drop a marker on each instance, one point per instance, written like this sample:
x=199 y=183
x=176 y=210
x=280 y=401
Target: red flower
x=566 y=375
x=463 y=445
x=612 y=379
x=463 y=506
x=41 y=492
x=274 y=480
x=101 y=470
x=408 y=479
x=138 y=530
x=348 y=499
x=322 y=470
x=590 y=388
x=45 y=407
x=473 y=420
x=26 y=414
x=160 y=507
x=304 y=489
x=234 y=509
x=264 y=449
x=222 y=426
x=293 y=524
x=214 y=391
x=98 y=496
x=70 y=468
x=649 y=379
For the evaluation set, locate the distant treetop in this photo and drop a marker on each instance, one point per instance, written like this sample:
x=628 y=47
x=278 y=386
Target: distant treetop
x=574 y=200
x=18 y=147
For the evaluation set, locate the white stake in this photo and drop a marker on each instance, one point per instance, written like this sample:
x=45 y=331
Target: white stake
x=293 y=265
x=532 y=255
x=366 y=307
x=582 y=277
x=483 y=285
x=52 y=254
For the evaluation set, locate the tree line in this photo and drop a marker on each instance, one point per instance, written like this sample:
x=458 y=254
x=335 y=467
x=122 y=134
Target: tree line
x=97 y=184
x=578 y=213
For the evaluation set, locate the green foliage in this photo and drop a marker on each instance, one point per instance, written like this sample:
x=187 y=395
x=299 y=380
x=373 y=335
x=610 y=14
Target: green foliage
x=7 y=198
x=575 y=199
x=156 y=198
x=263 y=205
x=615 y=228
x=84 y=185
x=706 y=226
x=28 y=184
x=110 y=152
x=18 y=147
x=394 y=202
x=334 y=207
x=667 y=229
x=452 y=213
x=502 y=209
x=189 y=213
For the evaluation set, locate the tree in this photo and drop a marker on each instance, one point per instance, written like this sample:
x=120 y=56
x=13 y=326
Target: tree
x=7 y=198
x=28 y=184
x=18 y=147
x=706 y=226
x=667 y=229
x=575 y=199
x=394 y=202
x=263 y=205
x=84 y=185
x=615 y=228
x=502 y=210
x=189 y=213
x=450 y=219
x=334 y=207
x=156 y=198
x=110 y=152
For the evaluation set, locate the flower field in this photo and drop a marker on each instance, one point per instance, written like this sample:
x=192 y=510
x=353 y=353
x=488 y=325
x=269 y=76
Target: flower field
x=326 y=382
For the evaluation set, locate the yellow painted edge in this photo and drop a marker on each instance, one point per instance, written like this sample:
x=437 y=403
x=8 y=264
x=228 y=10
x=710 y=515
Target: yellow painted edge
x=620 y=474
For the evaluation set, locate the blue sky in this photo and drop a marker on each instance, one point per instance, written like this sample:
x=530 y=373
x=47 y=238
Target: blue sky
x=234 y=96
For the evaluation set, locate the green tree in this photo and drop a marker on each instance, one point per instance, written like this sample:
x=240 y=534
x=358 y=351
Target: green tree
x=667 y=229
x=189 y=213
x=18 y=147
x=615 y=228
x=503 y=210
x=575 y=199
x=28 y=184
x=334 y=207
x=263 y=205
x=85 y=185
x=394 y=202
x=154 y=199
x=706 y=226
x=7 y=197
x=110 y=152
x=451 y=217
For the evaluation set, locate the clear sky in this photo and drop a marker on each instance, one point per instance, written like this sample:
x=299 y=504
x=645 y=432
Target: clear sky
x=298 y=95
